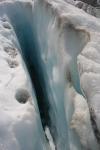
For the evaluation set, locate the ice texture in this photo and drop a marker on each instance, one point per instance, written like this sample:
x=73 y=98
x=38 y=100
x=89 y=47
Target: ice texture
x=49 y=76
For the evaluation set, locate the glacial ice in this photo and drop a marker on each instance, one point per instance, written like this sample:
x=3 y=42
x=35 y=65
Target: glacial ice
x=49 y=76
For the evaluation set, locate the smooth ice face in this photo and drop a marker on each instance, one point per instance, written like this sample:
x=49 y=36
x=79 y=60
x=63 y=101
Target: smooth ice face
x=51 y=77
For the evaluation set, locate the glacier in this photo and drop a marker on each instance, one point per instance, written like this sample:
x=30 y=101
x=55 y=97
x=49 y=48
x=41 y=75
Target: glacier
x=49 y=76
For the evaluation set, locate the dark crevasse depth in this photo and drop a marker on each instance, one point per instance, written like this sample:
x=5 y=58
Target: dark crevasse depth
x=30 y=53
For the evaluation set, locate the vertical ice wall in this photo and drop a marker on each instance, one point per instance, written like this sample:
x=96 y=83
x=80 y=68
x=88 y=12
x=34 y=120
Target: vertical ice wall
x=51 y=36
x=21 y=127
x=55 y=93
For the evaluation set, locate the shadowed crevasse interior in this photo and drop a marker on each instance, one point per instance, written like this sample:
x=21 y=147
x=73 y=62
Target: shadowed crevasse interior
x=30 y=53
x=30 y=50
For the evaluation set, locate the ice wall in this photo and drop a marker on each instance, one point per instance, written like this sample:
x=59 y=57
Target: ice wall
x=59 y=49
x=20 y=123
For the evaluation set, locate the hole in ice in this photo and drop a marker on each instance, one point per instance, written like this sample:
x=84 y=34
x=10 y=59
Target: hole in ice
x=22 y=95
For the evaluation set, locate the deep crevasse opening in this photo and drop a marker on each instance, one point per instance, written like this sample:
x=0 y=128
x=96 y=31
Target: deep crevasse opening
x=50 y=65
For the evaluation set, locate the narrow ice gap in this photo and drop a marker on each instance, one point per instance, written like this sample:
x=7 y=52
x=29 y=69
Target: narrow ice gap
x=30 y=53
x=35 y=39
x=31 y=56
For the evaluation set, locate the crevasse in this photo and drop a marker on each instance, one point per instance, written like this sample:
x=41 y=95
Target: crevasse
x=52 y=42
